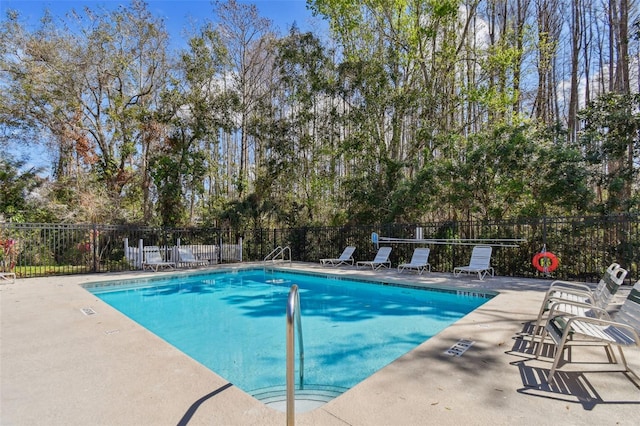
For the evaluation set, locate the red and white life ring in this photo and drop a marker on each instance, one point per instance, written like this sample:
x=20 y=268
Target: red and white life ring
x=545 y=262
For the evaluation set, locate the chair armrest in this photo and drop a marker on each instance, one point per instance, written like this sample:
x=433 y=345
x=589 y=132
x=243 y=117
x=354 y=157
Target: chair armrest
x=550 y=294
x=604 y=323
x=563 y=296
x=570 y=285
x=557 y=304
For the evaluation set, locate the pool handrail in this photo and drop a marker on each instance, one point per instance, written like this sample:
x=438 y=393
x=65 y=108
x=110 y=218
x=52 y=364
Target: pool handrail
x=278 y=252
x=293 y=311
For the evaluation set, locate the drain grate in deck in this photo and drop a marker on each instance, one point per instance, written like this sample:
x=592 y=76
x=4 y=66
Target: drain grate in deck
x=88 y=311
x=460 y=347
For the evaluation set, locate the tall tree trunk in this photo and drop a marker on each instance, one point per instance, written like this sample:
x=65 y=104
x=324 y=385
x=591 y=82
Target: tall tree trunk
x=576 y=36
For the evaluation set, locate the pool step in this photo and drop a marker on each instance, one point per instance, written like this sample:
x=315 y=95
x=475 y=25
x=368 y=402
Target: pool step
x=307 y=399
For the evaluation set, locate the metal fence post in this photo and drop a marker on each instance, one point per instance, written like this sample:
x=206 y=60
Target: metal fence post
x=94 y=239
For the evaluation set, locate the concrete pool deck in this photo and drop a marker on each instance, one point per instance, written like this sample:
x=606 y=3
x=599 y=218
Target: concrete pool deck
x=59 y=366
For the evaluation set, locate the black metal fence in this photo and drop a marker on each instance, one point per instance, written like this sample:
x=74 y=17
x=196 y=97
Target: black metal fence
x=584 y=245
x=35 y=249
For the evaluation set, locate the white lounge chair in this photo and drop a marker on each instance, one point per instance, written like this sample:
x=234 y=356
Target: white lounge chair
x=559 y=286
x=560 y=291
x=567 y=331
x=419 y=261
x=8 y=276
x=153 y=260
x=184 y=256
x=345 y=258
x=205 y=252
x=479 y=263
x=381 y=259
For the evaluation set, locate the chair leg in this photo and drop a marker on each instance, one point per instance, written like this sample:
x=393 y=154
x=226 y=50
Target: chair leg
x=611 y=354
x=626 y=366
x=556 y=360
x=561 y=346
x=623 y=359
x=543 y=335
x=536 y=328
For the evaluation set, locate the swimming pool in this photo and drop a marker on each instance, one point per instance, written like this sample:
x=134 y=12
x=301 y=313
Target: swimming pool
x=233 y=322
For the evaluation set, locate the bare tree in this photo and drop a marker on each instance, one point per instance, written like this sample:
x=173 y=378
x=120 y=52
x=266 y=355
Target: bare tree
x=576 y=40
x=247 y=37
x=619 y=24
x=549 y=25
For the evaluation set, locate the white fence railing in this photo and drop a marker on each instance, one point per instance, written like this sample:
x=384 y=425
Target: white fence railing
x=210 y=253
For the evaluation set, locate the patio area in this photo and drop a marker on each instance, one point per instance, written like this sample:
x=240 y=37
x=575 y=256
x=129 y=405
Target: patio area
x=59 y=366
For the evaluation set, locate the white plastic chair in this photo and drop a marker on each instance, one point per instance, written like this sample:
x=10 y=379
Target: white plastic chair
x=185 y=256
x=381 y=259
x=345 y=258
x=567 y=331
x=419 y=261
x=479 y=263
x=578 y=293
x=153 y=259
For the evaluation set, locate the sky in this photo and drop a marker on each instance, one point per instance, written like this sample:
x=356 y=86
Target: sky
x=177 y=14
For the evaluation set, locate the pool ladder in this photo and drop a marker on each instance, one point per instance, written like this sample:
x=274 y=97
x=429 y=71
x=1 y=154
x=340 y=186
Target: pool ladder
x=279 y=253
x=293 y=314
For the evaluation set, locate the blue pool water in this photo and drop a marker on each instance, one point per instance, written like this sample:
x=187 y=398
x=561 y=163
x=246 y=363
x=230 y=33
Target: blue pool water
x=234 y=322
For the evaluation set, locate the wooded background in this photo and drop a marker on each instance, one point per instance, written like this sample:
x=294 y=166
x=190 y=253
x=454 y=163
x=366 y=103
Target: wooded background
x=410 y=111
